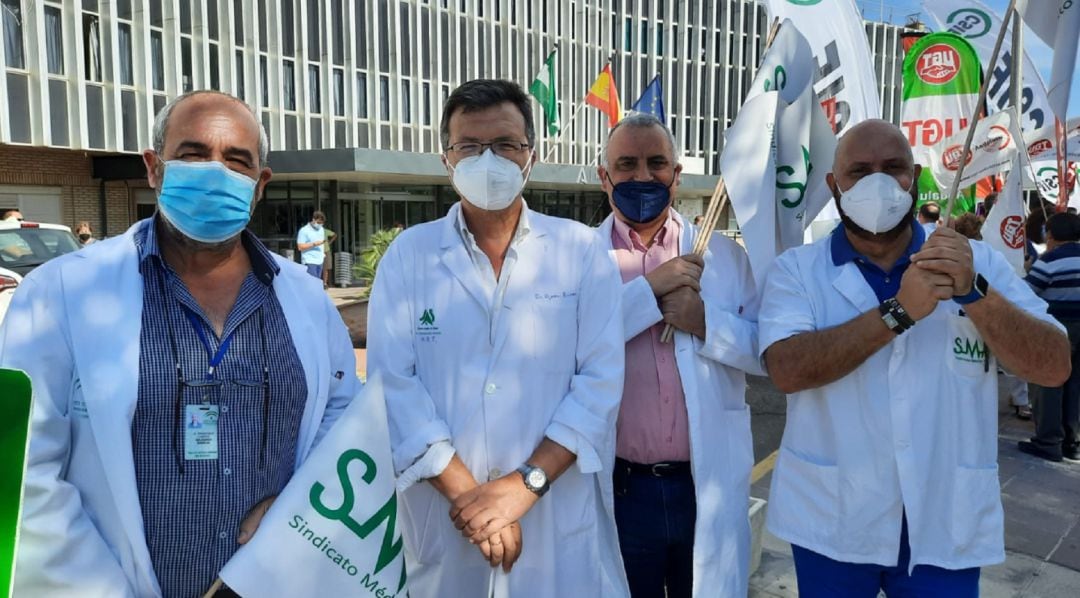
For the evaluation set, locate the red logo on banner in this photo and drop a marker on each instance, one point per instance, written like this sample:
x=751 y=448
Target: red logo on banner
x=1039 y=147
x=950 y=159
x=938 y=64
x=1012 y=231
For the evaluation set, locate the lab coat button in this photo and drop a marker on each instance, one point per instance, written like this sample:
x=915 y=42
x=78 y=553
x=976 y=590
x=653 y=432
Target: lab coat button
x=490 y=388
x=494 y=474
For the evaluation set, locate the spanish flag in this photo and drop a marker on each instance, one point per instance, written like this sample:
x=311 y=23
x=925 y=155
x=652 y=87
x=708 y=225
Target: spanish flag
x=604 y=96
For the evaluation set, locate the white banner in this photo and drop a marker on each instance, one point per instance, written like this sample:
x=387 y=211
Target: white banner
x=333 y=530
x=1043 y=172
x=776 y=154
x=979 y=25
x=1004 y=226
x=844 y=77
x=992 y=150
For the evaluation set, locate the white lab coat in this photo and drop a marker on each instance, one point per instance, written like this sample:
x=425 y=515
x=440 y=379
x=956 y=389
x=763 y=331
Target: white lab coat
x=721 y=449
x=551 y=366
x=74 y=327
x=914 y=428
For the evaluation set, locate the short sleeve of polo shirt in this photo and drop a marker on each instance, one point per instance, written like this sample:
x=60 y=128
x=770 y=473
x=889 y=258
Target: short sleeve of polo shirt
x=785 y=305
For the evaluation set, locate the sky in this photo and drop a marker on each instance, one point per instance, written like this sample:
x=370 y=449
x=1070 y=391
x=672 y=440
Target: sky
x=897 y=11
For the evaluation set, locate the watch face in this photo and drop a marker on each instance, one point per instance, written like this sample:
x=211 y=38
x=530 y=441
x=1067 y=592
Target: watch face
x=536 y=478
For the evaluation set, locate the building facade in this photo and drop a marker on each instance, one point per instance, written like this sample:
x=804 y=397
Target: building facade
x=351 y=92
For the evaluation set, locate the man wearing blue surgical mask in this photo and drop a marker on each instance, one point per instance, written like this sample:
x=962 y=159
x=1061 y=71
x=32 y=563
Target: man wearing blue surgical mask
x=683 y=449
x=496 y=331
x=179 y=371
x=888 y=343
x=310 y=241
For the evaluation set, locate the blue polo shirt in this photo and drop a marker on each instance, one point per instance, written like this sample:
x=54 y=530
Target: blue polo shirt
x=885 y=284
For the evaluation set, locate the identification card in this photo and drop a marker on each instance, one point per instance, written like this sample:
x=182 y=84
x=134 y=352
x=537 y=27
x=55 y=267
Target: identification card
x=200 y=432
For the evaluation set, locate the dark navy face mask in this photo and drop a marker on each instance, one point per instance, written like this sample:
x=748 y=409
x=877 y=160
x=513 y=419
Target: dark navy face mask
x=641 y=201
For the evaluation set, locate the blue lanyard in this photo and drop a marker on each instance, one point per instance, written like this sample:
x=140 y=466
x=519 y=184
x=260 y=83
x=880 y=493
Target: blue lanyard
x=214 y=358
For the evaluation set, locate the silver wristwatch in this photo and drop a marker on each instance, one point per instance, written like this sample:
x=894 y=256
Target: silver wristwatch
x=536 y=479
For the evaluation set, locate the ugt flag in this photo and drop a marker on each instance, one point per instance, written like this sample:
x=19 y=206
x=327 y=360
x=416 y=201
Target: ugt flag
x=941 y=87
x=993 y=147
x=777 y=152
x=979 y=25
x=15 y=415
x=1004 y=226
x=651 y=101
x=333 y=530
x=843 y=73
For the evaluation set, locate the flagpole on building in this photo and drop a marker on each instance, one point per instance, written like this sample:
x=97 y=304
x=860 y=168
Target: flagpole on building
x=573 y=117
x=1011 y=15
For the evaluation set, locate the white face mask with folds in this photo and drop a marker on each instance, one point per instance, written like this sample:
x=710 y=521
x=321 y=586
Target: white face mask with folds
x=876 y=202
x=489 y=181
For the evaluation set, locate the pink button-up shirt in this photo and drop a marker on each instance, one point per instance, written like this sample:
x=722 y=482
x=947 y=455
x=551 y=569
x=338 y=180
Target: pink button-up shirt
x=652 y=424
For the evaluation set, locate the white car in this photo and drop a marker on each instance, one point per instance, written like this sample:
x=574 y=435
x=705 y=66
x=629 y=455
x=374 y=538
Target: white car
x=25 y=246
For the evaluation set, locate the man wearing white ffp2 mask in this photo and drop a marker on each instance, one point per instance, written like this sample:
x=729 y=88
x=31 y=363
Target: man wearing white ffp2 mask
x=887 y=344
x=498 y=332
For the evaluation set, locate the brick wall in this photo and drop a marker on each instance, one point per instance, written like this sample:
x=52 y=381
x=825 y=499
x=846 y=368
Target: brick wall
x=80 y=193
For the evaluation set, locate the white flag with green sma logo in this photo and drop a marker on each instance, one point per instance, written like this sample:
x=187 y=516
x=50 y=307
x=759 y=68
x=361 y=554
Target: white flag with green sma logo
x=333 y=530
x=777 y=152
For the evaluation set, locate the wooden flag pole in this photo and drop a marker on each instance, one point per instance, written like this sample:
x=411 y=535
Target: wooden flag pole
x=1010 y=16
x=213 y=588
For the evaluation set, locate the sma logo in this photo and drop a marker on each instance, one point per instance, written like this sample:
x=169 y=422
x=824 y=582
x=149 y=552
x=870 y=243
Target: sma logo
x=428 y=317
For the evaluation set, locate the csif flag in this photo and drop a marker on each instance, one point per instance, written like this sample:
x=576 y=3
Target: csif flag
x=543 y=89
x=333 y=530
x=604 y=96
x=651 y=101
x=777 y=152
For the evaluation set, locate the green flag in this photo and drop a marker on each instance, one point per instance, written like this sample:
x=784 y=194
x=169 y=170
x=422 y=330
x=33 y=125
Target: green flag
x=15 y=417
x=941 y=86
x=543 y=89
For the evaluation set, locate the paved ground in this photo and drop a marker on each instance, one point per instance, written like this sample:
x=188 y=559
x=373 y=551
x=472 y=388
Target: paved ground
x=1042 y=514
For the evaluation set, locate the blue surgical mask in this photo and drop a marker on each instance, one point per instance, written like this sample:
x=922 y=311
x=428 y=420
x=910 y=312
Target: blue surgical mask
x=206 y=201
x=316 y=226
x=640 y=201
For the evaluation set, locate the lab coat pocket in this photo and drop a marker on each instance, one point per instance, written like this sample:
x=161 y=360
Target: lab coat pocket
x=423 y=526
x=740 y=441
x=807 y=495
x=967 y=353
x=977 y=518
x=554 y=334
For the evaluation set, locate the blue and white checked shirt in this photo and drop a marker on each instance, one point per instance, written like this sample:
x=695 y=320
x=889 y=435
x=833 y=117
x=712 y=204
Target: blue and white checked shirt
x=192 y=509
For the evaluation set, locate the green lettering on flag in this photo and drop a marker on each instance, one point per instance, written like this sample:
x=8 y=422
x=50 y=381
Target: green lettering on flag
x=543 y=89
x=15 y=417
x=942 y=73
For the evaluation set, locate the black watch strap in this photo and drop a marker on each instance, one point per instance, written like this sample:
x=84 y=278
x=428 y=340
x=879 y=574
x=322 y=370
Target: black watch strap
x=895 y=316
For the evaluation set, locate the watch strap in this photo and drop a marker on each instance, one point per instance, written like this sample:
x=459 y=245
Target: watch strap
x=895 y=316
x=525 y=470
x=979 y=288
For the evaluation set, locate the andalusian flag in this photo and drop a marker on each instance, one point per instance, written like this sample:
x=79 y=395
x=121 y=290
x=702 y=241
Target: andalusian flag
x=543 y=89
x=604 y=96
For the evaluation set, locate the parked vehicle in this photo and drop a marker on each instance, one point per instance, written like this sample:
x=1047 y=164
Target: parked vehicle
x=25 y=246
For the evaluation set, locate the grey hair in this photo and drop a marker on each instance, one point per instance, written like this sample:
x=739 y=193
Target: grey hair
x=641 y=120
x=161 y=122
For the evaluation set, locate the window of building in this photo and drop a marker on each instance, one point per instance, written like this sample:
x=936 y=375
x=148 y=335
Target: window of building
x=123 y=9
x=155 y=14
x=288 y=74
x=314 y=85
x=384 y=43
x=361 y=95
x=215 y=68
x=54 y=40
x=384 y=97
x=288 y=29
x=212 y=19
x=185 y=16
x=339 y=92
x=406 y=102
x=92 y=47
x=427 y=104
x=238 y=22
x=405 y=66
x=264 y=79
x=127 y=74
x=337 y=21
x=425 y=42
x=157 y=56
x=239 y=78
x=262 y=26
x=360 y=33
x=185 y=64
x=314 y=30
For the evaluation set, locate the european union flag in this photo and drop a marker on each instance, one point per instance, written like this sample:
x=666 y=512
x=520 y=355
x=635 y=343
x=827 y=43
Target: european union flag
x=651 y=100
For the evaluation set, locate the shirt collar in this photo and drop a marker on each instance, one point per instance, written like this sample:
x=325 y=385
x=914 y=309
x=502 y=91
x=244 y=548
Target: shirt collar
x=521 y=232
x=843 y=252
x=668 y=233
x=262 y=261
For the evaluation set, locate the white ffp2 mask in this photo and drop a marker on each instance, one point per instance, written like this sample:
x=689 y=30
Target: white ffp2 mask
x=876 y=202
x=488 y=181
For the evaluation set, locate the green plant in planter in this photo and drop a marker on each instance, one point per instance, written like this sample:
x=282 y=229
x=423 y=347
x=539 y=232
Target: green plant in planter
x=370 y=257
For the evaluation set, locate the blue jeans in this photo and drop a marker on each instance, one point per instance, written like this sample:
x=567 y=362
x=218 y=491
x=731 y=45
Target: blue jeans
x=314 y=270
x=821 y=577
x=655 y=518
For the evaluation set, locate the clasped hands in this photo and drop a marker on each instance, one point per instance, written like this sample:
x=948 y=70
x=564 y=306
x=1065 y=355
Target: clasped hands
x=489 y=516
x=941 y=269
x=677 y=286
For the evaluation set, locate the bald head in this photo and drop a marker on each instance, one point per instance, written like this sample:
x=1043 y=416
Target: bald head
x=873 y=133
x=199 y=104
x=869 y=147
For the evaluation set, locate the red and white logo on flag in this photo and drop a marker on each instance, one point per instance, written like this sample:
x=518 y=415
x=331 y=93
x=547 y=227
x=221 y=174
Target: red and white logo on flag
x=1012 y=231
x=950 y=158
x=938 y=64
